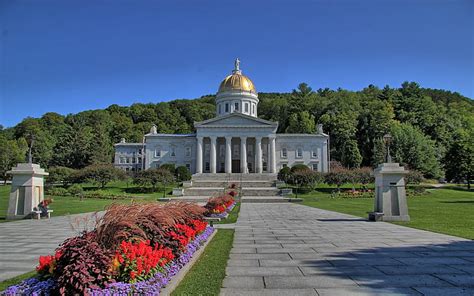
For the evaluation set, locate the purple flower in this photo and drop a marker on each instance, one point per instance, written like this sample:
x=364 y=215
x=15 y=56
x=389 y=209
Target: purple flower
x=152 y=286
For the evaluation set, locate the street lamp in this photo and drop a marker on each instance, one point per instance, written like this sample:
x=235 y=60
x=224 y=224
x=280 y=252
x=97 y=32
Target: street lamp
x=387 y=138
x=30 y=139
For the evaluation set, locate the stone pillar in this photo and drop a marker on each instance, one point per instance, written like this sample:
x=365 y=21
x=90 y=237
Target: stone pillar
x=213 y=154
x=27 y=190
x=390 y=196
x=243 y=155
x=199 y=156
x=258 y=154
x=228 y=155
x=272 y=155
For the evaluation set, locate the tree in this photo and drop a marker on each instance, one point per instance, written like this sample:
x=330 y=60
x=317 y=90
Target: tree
x=102 y=174
x=351 y=157
x=412 y=148
x=60 y=175
x=460 y=159
x=301 y=122
x=338 y=177
x=168 y=166
x=182 y=173
x=11 y=153
x=154 y=177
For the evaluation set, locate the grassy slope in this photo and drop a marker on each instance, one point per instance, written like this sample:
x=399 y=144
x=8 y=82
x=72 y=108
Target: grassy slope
x=207 y=274
x=446 y=210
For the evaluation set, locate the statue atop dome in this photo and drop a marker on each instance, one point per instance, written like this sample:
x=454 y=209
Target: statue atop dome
x=237 y=64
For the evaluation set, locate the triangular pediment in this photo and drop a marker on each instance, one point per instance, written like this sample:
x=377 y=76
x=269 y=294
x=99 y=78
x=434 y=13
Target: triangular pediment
x=235 y=119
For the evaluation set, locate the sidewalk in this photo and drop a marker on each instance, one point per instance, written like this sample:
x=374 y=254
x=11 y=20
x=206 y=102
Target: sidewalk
x=289 y=249
x=23 y=241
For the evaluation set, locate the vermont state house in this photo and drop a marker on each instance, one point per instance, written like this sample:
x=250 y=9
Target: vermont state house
x=235 y=141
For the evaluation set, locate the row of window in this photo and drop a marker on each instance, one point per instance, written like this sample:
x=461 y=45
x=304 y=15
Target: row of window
x=187 y=152
x=226 y=107
x=298 y=153
x=125 y=160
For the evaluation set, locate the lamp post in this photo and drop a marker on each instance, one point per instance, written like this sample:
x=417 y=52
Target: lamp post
x=30 y=139
x=387 y=138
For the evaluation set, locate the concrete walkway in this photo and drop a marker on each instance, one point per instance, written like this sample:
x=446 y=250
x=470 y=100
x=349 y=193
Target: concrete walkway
x=289 y=249
x=22 y=242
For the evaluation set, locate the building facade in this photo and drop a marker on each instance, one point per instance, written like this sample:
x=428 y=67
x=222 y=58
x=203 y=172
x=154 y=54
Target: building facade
x=235 y=141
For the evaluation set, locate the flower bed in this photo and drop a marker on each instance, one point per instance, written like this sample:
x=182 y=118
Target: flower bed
x=219 y=207
x=134 y=249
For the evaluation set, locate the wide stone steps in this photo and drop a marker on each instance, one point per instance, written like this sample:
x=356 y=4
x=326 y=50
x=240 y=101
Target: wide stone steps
x=234 y=177
x=238 y=183
x=214 y=191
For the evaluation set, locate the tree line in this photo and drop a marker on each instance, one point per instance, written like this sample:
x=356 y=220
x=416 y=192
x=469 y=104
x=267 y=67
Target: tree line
x=432 y=129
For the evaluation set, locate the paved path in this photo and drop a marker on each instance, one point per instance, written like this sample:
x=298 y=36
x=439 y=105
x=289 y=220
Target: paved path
x=22 y=242
x=289 y=249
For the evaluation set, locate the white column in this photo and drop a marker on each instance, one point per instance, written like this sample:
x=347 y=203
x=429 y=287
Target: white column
x=243 y=155
x=258 y=154
x=272 y=155
x=213 y=154
x=228 y=155
x=199 y=156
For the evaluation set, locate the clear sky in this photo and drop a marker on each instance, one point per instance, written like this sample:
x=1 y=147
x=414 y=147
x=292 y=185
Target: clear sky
x=67 y=56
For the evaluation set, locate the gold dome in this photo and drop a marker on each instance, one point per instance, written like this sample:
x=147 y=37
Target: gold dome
x=237 y=81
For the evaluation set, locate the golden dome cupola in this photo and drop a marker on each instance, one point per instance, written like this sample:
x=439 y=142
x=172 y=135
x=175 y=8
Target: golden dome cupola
x=237 y=93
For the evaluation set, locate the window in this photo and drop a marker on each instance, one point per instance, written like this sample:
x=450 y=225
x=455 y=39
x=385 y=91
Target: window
x=221 y=150
x=222 y=167
x=207 y=167
x=226 y=107
x=250 y=150
x=253 y=109
x=188 y=166
x=264 y=166
x=188 y=152
x=207 y=149
x=139 y=160
x=314 y=153
x=314 y=166
x=158 y=152
x=133 y=160
x=122 y=160
x=246 y=107
x=236 y=106
x=299 y=153
x=173 y=151
x=219 y=108
x=284 y=165
x=128 y=160
x=284 y=153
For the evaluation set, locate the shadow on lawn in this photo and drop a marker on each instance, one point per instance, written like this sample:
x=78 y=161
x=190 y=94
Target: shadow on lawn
x=430 y=269
x=459 y=201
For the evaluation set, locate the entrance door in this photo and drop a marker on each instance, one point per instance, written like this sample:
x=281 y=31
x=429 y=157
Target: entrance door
x=236 y=166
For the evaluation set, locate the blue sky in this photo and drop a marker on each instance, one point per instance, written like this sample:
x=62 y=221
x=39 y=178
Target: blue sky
x=68 y=56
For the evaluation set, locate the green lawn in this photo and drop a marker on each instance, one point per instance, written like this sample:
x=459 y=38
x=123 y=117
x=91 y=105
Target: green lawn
x=207 y=274
x=16 y=280
x=444 y=210
x=64 y=205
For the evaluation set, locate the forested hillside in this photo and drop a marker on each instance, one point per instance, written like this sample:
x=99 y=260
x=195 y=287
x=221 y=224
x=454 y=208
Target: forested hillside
x=433 y=130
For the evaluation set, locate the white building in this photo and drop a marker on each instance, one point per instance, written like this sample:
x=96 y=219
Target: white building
x=235 y=141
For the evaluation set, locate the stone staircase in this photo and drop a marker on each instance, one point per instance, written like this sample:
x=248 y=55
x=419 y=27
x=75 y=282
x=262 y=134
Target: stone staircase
x=254 y=187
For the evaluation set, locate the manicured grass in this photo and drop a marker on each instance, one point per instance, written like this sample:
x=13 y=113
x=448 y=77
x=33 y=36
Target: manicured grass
x=233 y=215
x=443 y=210
x=207 y=274
x=16 y=280
x=65 y=205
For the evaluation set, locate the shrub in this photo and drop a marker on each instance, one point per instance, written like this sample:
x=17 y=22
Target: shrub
x=338 y=177
x=154 y=177
x=284 y=174
x=299 y=167
x=168 y=166
x=101 y=194
x=60 y=175
x=182 y=174
x=414 y=177
x=307 y=178
x=75 y=189
x=83 y=264
x=57 y=191
x=101 y=174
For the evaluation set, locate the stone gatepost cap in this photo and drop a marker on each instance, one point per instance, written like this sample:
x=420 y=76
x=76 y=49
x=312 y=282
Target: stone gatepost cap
x=28 y=169
x=390 y=168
